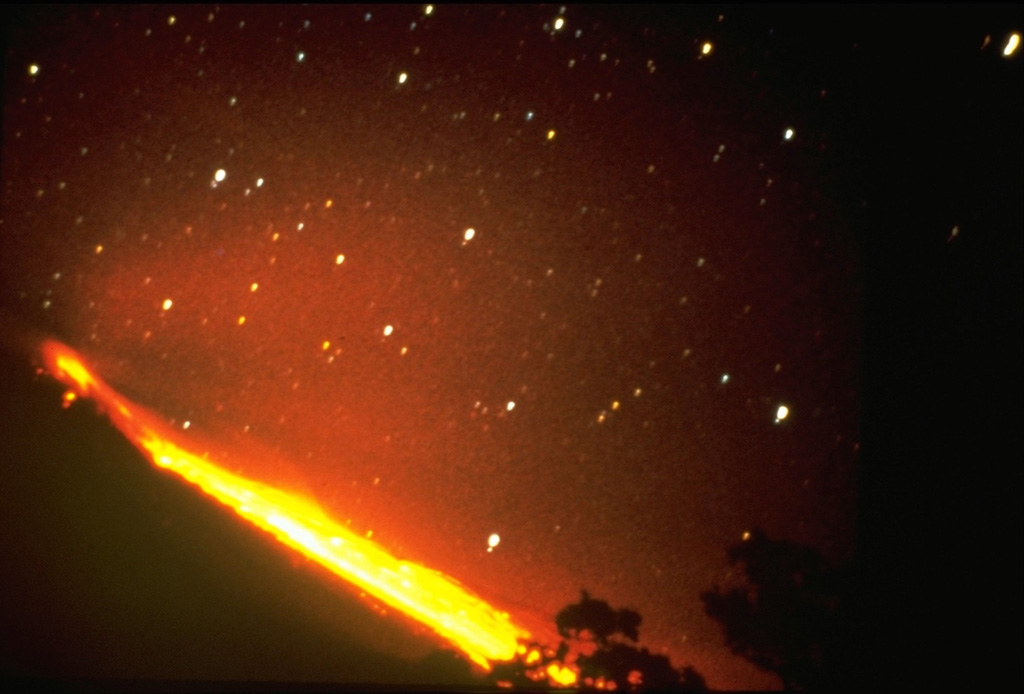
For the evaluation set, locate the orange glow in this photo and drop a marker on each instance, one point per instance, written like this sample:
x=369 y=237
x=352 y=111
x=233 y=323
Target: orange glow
x=484 y=633
x=560 y=674
x=64 y=365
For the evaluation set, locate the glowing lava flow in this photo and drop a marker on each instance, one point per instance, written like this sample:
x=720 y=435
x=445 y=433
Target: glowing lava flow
x=482 y=632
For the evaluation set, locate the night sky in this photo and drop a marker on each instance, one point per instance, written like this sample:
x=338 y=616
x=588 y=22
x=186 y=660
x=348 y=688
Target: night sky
x=590 y=279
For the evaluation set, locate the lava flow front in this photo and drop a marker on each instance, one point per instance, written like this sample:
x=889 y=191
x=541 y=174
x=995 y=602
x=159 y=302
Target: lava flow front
x=484 y=633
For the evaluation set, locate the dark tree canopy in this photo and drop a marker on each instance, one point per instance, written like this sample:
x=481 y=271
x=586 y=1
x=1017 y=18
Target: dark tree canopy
x=599 y=619
x=788 y=612
x=598 y=644
x=789 y=615
x=639 y=670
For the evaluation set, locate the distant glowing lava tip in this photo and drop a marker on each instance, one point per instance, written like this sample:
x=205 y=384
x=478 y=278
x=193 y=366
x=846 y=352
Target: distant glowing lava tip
x=65 y=365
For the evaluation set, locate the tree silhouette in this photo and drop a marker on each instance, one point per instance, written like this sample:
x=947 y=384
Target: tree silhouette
x=638 y=670
x=790 y=613
x=596 y=646
x=597 y=618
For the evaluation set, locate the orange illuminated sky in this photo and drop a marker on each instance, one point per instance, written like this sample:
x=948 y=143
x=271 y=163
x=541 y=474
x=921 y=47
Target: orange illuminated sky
x=531 y=299
x=254 y=223
x=523 y=299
